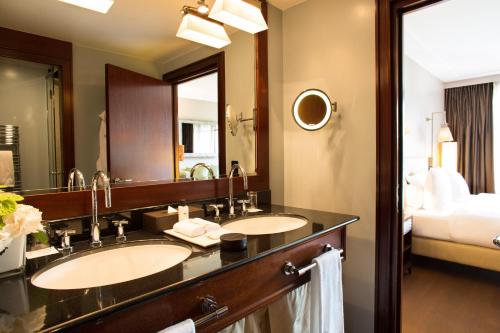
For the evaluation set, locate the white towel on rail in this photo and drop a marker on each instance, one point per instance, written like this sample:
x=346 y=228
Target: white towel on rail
x=186 y=326
x=327 y=307
x=6 y=168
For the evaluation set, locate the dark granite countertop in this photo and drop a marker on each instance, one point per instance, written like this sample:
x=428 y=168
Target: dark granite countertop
x=57 y=309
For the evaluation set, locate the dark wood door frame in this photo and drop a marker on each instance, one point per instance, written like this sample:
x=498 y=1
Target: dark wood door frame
x=209 y=65
x=388 y=272
x=24 y=46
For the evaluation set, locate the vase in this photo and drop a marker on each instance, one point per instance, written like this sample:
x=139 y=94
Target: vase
x=13 y=259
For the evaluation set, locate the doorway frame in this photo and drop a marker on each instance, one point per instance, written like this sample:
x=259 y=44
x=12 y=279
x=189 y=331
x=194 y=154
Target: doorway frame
x=200 y=68
x=388 y=239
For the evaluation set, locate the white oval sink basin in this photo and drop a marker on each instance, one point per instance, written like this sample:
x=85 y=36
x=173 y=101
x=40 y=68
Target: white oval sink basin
x=117 y=264
x=262 y=225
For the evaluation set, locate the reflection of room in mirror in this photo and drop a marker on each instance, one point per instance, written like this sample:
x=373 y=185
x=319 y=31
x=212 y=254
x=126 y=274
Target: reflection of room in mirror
x=198 y=131
x=30 y=121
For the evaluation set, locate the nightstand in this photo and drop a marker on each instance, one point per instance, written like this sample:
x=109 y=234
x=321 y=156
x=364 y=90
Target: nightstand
x=407 y=227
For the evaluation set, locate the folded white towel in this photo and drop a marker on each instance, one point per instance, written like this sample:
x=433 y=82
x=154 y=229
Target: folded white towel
x=6 y=168
x=217 y=233
x=186 y=326
x=186 y=227
x=327 y=309
x=207 y=225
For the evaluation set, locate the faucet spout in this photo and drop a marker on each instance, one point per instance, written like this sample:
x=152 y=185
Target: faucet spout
x=245 y=186
x=202 y=165
x=94 y=231
x=77 y=175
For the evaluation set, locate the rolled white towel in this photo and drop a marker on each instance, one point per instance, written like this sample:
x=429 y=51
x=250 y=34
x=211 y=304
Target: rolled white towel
x=207 y=225
x=189 y=229
x=217 y=233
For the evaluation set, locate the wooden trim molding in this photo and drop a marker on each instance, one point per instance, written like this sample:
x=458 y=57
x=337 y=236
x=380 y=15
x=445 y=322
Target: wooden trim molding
x=212 y=64
x=67 y=205
x=388 y=273
x=24 y=46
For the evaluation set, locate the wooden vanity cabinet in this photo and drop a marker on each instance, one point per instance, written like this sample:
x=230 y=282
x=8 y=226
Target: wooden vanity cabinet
x=243 y=289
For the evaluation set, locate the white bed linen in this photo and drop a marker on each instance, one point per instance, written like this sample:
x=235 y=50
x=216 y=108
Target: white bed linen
x=475 y=221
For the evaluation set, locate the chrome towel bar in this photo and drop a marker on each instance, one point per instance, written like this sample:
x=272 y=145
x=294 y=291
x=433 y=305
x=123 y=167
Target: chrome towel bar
x=211 y=310
x=290 y=269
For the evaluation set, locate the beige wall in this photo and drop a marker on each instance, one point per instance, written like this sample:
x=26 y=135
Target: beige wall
x=276 y=135
x=240 y=92
x=330 y=45
x=90 y=98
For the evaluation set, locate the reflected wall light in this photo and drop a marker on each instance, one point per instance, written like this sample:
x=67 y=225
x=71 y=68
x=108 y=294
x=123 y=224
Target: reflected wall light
x=200 y=29
x=239 y=14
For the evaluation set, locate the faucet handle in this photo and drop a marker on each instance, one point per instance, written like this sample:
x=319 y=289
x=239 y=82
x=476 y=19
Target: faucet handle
x=120 y=237
x=244 y=203
x=65 y=239
x=216 y=207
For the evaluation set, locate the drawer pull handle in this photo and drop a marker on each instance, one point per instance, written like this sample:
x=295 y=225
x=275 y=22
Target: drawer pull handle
x=290 y=269
x=211 y=310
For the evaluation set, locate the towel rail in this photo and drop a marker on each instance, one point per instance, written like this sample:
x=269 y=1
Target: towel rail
x=290 y=269
x=211 y=310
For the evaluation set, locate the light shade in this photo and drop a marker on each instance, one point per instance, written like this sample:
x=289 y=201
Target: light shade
x=203 y=31
x=101 y=6
x=238 y=14
x=445 y=134
x=449 y=156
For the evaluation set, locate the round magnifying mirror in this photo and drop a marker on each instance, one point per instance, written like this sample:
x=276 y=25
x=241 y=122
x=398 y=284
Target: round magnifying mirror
x=312 y=109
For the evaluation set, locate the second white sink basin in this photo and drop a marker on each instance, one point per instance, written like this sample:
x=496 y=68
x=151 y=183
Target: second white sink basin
x=262 y=225
x=115 y=264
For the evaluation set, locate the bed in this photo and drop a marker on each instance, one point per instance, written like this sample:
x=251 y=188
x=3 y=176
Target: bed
x=460 y=231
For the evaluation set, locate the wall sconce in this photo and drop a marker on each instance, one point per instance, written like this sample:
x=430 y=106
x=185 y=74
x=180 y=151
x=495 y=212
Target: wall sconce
x=444 y=135
x=233 y=119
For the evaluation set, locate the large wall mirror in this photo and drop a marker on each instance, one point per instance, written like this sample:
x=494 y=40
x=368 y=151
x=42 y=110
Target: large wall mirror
x=142 y=109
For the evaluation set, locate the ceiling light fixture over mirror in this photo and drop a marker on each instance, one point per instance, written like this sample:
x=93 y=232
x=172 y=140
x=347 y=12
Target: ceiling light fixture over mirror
x=312 y=109
x=239 y=14
x=101 y=6
x=197 y=28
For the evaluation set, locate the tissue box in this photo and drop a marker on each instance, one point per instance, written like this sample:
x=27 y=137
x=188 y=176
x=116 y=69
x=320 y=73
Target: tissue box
x=160 y=220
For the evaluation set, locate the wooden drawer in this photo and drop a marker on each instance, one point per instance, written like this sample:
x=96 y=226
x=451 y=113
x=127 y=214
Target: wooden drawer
x=243 y=289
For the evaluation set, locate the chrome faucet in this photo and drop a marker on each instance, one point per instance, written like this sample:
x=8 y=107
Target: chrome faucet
x=496 y=240
x=77 y=175
x=202 y=165
x=94 y=231
x=245 y=186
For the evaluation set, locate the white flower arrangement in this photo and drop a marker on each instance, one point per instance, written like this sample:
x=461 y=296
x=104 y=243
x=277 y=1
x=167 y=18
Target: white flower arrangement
x=18 y=220
x=30 y=322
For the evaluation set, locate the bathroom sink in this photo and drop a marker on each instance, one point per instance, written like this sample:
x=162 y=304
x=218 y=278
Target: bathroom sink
x=111 y=264
x=266 y=224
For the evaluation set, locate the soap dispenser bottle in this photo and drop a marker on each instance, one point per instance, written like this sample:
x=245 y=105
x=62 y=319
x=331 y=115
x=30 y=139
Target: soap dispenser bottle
x=183 y=211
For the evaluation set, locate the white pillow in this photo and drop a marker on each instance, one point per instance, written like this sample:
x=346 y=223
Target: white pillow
x=414 y=190
x=459 y=187
x=438 y=191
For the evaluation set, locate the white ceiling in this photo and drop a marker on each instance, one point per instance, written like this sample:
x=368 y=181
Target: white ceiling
x=203 y=88
x=143 y=29
x=456 y=39
x=285 y=4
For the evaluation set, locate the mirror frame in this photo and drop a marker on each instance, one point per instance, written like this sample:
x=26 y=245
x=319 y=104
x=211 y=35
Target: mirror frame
x=62 y=205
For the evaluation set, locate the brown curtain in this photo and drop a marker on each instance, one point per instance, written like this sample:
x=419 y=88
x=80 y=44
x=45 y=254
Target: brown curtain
x=469 y=112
